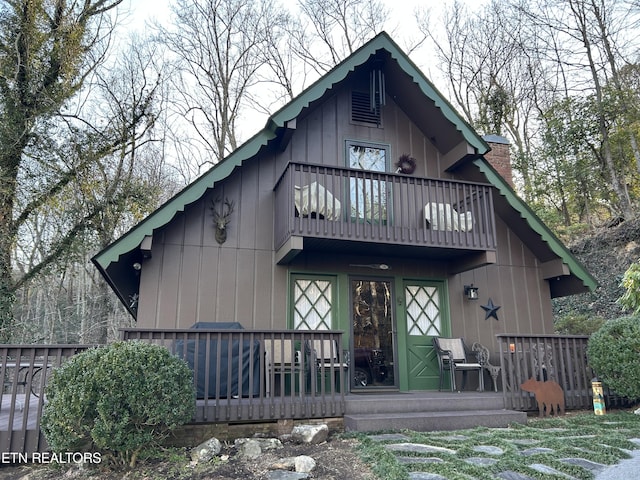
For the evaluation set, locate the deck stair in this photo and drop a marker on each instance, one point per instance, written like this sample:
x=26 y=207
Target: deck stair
x=427 y=411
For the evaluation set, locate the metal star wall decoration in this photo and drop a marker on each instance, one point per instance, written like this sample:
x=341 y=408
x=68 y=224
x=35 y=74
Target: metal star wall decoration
x=490 y=310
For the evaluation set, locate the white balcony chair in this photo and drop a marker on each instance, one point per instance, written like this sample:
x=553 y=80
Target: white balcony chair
x=442 y=216
x=314 y=198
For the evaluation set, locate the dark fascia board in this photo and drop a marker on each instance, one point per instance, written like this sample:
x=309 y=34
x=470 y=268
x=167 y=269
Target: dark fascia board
x=537 y=225
x=193 y=192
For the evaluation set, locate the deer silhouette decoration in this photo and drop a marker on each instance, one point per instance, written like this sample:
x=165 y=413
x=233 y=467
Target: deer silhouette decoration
x=221 y=218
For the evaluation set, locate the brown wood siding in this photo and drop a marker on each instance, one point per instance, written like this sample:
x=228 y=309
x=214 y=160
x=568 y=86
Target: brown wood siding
x=514 y=283
x=320 y=136
x=191 y=278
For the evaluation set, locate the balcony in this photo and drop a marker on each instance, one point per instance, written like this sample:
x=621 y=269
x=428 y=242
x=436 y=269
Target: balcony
x=334 y=208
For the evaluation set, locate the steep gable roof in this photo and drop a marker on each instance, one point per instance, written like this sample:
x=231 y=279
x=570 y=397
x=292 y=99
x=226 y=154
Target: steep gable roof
x=277 y=121
x=127 y=248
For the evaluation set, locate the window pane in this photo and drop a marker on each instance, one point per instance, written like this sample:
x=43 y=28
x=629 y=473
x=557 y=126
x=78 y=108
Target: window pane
x=423 y=310
x=312 y=304
x=368 y=158
x=368 y=195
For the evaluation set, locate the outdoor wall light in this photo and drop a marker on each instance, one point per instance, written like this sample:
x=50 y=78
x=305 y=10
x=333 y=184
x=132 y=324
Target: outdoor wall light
x=471 y=292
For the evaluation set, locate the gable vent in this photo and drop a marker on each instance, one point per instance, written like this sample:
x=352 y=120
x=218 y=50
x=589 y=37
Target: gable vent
x=361 y=111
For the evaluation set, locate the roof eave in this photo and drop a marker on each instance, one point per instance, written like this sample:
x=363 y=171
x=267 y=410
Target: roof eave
x=537 y=225
x=131 y=240
x=193 y=192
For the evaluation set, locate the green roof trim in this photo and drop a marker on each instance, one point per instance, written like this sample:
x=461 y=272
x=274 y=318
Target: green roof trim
x=360 y=56
x=536 y=224
x=194 y=191
x=433 y=93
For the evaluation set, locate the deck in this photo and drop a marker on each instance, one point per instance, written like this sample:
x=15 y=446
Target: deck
x=262 y=377
x=19 y=414
x=419 y=411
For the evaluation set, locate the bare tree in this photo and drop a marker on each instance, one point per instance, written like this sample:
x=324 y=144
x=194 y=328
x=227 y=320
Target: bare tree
x=515 y=68
x=218 y=47
x=47 y=49
x=331 y=30
x=121 y=177
x=594 y=39
x=491 y=70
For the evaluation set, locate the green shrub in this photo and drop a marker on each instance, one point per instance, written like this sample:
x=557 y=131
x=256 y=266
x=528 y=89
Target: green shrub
x=614 y=355
x=630 y=300
x=578 y=324
x=120 y=400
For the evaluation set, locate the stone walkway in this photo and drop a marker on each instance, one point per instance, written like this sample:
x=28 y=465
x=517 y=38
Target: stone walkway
x=416 y=454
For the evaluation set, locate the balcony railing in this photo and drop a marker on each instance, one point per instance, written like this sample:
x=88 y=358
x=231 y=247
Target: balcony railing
x=255 y=375
x=360 y=205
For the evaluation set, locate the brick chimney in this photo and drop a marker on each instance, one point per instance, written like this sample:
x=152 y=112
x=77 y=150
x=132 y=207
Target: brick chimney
x=499 y=157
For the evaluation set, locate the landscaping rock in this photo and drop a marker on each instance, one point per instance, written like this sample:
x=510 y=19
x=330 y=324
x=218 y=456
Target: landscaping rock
x=304 y=464
x=535 y=451
x=417 y=448
x=286 y=475
x=488 y=449
x=547 y=470
x=253 y=447
x=484 y=462
x=300 y=464
x=248 y=448
x=584 y=463
x=206 y=451
x=409 y=460
x=313 y=434
x=425 y=476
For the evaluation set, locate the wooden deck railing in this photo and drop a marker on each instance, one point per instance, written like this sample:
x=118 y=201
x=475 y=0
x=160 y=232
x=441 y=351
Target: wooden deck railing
x=24 y=370
x=251 y=375
x=359 y=205
x=548 y=357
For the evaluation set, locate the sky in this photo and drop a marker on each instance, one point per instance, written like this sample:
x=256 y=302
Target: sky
x=401 y=11
x=400 y=8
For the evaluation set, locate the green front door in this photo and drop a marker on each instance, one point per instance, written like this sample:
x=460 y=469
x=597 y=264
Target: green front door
x=425 y=315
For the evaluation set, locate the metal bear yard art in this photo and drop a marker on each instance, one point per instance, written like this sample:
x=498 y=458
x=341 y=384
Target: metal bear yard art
x=548 y=394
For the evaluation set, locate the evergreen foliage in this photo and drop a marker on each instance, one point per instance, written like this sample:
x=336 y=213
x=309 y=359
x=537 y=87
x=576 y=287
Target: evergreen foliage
x=578 y=324
x=120 y=400
x=630 y=300
x=614 y=355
